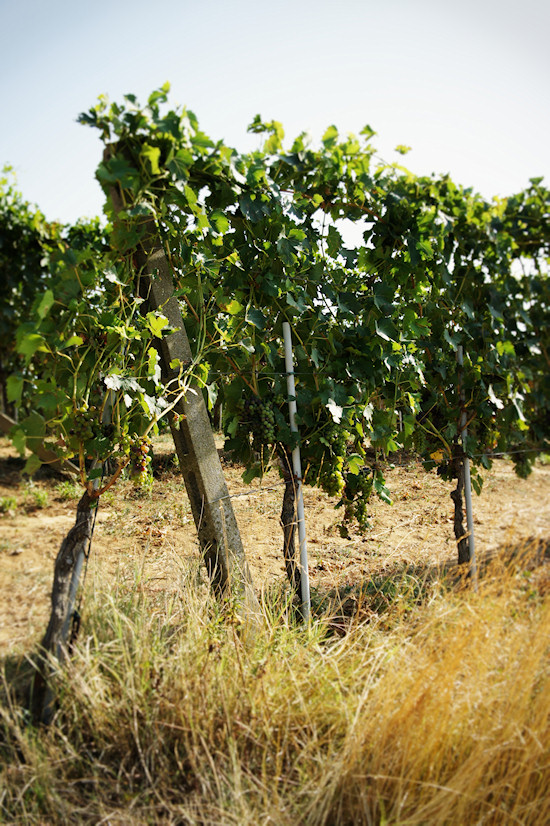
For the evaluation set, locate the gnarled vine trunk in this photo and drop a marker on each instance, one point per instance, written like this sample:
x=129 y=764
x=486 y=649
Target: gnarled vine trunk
x=68 y=565
x=288 y=522
x=457 y=495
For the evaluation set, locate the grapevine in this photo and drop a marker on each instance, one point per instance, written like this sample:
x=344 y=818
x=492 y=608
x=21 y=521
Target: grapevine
x=255 y=240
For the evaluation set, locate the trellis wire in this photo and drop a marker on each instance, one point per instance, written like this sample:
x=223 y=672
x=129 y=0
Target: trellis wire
x=250 y=492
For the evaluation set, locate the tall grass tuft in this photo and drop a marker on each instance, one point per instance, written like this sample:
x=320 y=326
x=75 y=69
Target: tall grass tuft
x=437 y=714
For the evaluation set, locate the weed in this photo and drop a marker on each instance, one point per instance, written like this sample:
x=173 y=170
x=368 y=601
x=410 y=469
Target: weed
x=36 y=498
x=68 y=490
x=108 y=498
x=8 y=505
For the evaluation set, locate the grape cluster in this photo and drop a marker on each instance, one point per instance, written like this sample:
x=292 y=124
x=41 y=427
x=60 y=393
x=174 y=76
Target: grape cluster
x=140 y=461
x=338 y=440
x=259 y=414
x=356 y=497
x=332 y=478
x=420 y=442
x=84 y=424
x=86 y=430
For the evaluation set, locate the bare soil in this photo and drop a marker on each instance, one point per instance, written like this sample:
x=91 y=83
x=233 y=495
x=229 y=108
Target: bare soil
x=150 y=539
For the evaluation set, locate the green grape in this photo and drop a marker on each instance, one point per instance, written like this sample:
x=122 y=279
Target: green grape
x=259 y=417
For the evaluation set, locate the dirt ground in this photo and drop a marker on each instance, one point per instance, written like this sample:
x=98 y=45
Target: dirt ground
x=151 y=538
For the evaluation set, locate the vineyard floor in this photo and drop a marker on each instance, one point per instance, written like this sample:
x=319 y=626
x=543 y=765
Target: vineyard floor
x=151 y=538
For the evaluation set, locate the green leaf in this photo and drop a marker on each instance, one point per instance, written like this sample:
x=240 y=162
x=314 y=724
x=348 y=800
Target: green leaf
x=34 y=426
x=355 y=463
x=425 y=247
x=330 y=138
x=505 y=347
x=202 y=221
x=32 y=464
x=14 y=389
x=46 y=304
x=334 y=242
x=381 y=490
x=151 y=154
x=180 y=163
x=453 y=339
x=29 y=344
x=256 y=317
x=297 y=302
x=191 y=196
x=252 y=473
x=368 y=132
x=73 y=341
x=96 y=473
x=19 y=440
x=477 y=483
x=384 y=295
x=156 y=323
x=274 y=142
x=253 y=208
x=285 y=248
x=219 y=221
x=387 y=330
x=140 y=210
x=118 y=170
x=159 y=94
x=153 y=366
x=233 y=307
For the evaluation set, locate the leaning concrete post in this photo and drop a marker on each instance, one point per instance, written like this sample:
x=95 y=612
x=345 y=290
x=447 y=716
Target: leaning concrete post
x=217 y=528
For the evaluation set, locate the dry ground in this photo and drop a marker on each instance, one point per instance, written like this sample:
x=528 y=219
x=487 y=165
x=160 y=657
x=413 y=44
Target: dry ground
x=151 y=538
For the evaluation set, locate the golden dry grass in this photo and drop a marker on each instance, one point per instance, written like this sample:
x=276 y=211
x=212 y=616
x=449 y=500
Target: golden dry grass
x=431 y=706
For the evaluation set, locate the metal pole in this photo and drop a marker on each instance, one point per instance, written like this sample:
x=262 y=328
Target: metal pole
x=297 y=467
x=467 y=479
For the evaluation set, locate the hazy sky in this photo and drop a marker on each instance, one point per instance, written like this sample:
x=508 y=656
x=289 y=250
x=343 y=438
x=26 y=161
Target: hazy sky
x=464 y=82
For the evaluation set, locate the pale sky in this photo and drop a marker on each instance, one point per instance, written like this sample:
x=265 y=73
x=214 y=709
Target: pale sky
x=465 y=83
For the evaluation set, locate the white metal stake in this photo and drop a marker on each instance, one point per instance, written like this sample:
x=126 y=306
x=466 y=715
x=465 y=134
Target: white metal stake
x=467 y=480
x=297 y=467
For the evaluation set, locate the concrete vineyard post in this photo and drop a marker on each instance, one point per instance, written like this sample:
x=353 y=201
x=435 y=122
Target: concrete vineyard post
x=217 y=529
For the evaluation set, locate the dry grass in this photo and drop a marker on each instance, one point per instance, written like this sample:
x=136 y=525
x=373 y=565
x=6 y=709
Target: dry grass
x=431 y=706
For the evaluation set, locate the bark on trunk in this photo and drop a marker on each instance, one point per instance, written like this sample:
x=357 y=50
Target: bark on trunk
x=66 y=573
x=457 y=495
x=288 y=522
